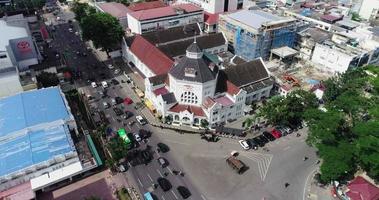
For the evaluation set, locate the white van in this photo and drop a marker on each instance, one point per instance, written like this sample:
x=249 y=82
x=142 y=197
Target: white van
x=93 y=84
x=104 y=84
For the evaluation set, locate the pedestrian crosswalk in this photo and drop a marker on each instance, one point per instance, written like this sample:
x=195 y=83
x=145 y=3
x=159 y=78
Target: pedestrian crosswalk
x=263 y=161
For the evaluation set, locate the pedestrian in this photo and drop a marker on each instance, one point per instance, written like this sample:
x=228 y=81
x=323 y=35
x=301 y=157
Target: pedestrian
x=165 y=174
x=318 y=162
x=286 y=185
x=305 y=158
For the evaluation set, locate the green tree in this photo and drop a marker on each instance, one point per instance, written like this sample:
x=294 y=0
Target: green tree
x=204 y=123
x=47 y=79
x=103 y=30
x=117 y=148
x=355 y=17
x=82 y=10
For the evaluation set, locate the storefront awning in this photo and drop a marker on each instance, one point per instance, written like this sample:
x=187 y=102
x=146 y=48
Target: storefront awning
x=149 y=105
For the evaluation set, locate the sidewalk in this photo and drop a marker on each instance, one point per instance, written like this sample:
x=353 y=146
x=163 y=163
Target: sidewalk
x=314 y=192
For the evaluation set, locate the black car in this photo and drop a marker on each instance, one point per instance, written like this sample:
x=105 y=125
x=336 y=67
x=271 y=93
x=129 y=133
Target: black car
x=252 y=144
x=263 y=138
x=184 y=192
x=259 y=142
x=164 y=184
x=144 y=133
x=268 y=136
x=146 y=155
x=115 y=82
x=118 y=111
x=118 y=100
x=163 y=147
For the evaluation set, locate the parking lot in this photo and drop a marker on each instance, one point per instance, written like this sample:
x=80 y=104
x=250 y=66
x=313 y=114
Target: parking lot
x=267 y=174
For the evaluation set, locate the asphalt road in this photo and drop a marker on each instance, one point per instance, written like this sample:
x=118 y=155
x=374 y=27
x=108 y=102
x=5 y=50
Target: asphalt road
x=88 y=67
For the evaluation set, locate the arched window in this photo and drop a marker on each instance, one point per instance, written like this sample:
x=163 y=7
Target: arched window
x=189 y=97
x=176 y=117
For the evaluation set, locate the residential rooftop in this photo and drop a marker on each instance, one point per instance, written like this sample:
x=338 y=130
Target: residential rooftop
x=167 y=11
x=261 y=18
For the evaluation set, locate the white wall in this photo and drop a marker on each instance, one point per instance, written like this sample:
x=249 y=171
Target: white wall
x=10 y=84
x=331 y=59
x=167 y=22
x=258 y=95
x=139 y=65
x=367 y=8
x=212 y=6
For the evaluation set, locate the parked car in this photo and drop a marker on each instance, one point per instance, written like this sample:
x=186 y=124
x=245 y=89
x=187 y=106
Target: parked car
x=162 y=162
x=259 y=142
x=94 y=85
x=131 y=123
x=263 y=139
x=244 y=144
x=184 y=192
x=113 y=101
x=252 y=144
x=110 y=66
x=163 y=147
x=276 y=133
x=117 y=111
x=144 y=133
x=118 y=100
x=106 y=105
x=116 y=71
x=115 y=82
x=164 y=184
x=137 y=137
x=268 y=136
x=104 y=84
x=128 y=101
x=141 y=120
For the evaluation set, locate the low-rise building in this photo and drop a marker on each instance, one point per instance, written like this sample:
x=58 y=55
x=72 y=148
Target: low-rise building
x=18 y=51
x=195 y=92
x=36 y=148
x=164 y=17
x=307 y=40
x=216 y=6
x=154 y=53
x=252 y=77
x=117 y=10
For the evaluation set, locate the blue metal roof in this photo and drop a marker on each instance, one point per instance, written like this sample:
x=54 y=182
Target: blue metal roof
x=31 y=108
x=21 y=144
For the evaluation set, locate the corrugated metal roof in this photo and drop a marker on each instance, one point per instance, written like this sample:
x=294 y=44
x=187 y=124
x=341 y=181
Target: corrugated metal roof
x=254 y=18
x=33 y=129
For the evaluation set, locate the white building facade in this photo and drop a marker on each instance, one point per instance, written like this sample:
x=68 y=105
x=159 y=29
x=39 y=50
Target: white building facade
x=191 y=94
x=369 y=9
x=165 y=17
x=216 y=6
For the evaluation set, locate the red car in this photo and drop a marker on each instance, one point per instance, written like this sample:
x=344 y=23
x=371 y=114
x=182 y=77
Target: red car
x=128 y=101
x=276 y=133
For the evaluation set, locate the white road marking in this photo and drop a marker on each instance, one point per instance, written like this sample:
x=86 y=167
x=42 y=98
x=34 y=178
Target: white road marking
x=306 y=182
x=159 y=173
x=203 y=197
x=113 y=119
x=163 y=197
x=174 y=194
x=169 y=170
x=139 y=181
x=130 y=165
x=148 y=175
x=263 y=161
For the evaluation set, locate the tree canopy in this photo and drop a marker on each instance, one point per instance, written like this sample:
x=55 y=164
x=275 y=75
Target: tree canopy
x=346 y=130
x=46 y=79
x=103 y=30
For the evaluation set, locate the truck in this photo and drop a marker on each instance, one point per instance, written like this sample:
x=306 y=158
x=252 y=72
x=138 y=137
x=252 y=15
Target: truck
x=236 y=164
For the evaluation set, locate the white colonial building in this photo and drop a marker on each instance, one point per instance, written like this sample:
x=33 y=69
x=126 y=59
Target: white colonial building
x=194 y=90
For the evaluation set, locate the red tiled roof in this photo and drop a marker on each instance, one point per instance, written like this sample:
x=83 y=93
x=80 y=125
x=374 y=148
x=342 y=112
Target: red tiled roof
x=151 y=56
x=208 y=102
x=361 y=189
x=331 y=18
x=117 y=10
x=224 y=100
x=160 y=91
x=210 y=18
x=146 y=5
x=231 y=88
x=196 y=110
x=163 y=11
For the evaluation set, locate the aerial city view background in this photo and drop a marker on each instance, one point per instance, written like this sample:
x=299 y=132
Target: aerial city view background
x=189 y=99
